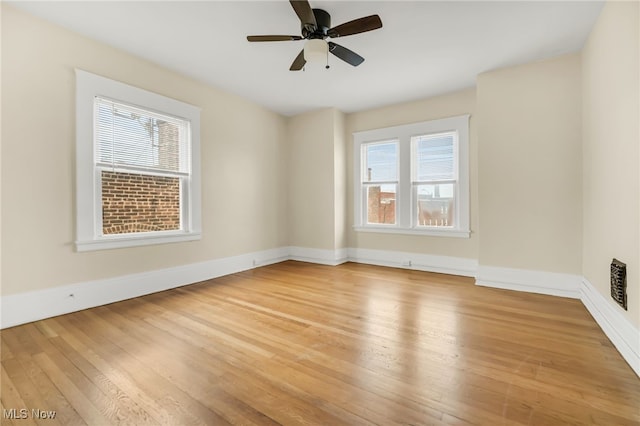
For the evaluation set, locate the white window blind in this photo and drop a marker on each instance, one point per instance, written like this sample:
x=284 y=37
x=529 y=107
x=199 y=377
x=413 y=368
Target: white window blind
x=435 y=157
x=134 y=139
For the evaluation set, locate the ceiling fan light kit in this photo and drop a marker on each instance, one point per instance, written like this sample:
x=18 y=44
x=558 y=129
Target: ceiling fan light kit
x=316 y=50
x=315 y=28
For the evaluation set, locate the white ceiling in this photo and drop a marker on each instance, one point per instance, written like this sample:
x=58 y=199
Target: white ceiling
x=425 y=48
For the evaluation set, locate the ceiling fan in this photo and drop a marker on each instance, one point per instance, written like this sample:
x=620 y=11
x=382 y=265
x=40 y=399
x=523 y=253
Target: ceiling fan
x=316 y=27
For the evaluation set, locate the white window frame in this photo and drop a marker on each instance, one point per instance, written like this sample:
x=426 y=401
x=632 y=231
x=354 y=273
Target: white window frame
x=88 y=185
x=406 y=222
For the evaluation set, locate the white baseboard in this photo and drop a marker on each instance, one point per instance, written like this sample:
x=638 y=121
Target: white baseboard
x=36 y=305
x=551 y=283
x=421 y=262
x=624 y=336
x=320 y=256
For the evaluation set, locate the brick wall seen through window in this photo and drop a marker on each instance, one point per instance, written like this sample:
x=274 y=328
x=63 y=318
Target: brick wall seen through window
x=139 y=203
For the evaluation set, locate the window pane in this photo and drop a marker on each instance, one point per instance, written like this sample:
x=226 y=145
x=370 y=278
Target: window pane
x=435 y=205
x=381 y=162
x=139 y=203
x=434 y=157
x=381 y=204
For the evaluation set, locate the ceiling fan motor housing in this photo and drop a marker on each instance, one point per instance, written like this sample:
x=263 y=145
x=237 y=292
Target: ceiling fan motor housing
x=323 y=23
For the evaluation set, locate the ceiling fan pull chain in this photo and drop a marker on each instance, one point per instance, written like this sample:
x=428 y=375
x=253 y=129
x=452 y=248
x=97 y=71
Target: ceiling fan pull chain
x=327 y=67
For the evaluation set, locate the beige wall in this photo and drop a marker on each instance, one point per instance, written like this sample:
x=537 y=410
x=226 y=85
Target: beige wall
x=243 y=171
x=463 y=102
x=611 y=133
x=0 y=157
x=311 y=179
x=340 y=180
x=317 y=183
x=530 y=171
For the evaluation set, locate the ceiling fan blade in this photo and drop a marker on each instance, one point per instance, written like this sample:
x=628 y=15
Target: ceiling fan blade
x=345 y=54
x=356 y=26
x=305 y=13
x=273 y=38
x=298 y=62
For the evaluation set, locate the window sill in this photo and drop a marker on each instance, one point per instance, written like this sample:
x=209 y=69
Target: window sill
x=131 y=240
x=431 y=232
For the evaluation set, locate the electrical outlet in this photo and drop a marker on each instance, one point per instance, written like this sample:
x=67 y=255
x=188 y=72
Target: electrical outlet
x=406 y=263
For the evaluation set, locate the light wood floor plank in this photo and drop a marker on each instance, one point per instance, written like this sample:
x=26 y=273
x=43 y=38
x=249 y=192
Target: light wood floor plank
x=296 y=343
x=28 y=391
x=173 y=405
x=24 y=363
x=12 y=400
x=82 y=403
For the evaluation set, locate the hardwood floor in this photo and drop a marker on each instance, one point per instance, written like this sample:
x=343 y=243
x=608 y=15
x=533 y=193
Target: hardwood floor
x=297 y=343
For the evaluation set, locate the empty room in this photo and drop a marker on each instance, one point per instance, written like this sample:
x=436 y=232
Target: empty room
x=320 y=212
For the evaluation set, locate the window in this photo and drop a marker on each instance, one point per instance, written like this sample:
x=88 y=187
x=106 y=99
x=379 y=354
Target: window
x=137 y=158
x=414 y=178
x=380 y=181
x=434 y=179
